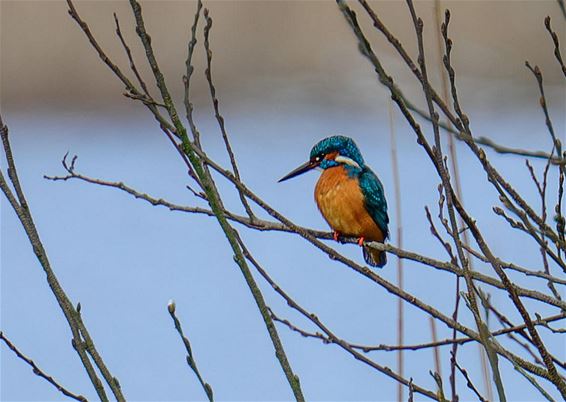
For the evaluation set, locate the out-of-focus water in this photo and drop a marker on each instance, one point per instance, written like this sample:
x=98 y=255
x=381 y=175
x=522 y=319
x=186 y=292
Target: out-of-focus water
x=123 y=259
x=283 y=86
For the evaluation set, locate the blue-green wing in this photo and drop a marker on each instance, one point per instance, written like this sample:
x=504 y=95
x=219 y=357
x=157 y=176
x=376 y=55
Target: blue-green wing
x=374 y=194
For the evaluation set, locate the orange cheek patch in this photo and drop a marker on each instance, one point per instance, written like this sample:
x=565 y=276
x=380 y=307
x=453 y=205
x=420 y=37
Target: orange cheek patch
x=331 y=156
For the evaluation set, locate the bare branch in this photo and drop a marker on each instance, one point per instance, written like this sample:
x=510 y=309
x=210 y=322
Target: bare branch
x=214 y=201
x=330 y=336
x=469 y=383
x=219 y=118
x=131 y=59
x=264 y=225
x=190 y=358
x=554 y=37
x=554 y=376
x=39 y=372
x=187 y=77
x=71 y=315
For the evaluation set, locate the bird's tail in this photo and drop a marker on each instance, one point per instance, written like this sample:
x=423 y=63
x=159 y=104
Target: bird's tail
x=374 y=257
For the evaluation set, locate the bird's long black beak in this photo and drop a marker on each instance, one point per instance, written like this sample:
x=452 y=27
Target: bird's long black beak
x=305 y=167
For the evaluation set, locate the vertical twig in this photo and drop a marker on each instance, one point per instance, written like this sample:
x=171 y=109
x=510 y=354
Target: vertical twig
x=495 y=178
x=399 y=225
x=219 y=118
x=450 y=195
x=187 y=77
x=436 y=349
x=458 y=187
x=557 y=53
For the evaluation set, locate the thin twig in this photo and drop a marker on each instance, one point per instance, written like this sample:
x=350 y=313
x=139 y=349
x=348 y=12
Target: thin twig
x=554 y=376
x=131 y=59
x=187 y=77
x=451 y=198
x=460 y=341
x=215 y=202
x=543 y=104
x=503 y=187
x=399 y=224
x=219 y=118
x=330 y=336
x=78 y=330
x=190 y=358
x=264 y=225
x=367 y=272
x=39 y=372
x=554 y=37
x=469 y=383
x=130 y=87
x=435 y=350
x=481 y=140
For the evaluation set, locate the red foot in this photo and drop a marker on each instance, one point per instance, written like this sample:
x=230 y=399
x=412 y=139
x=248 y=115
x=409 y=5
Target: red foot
x=336 y=236
x=361 y=241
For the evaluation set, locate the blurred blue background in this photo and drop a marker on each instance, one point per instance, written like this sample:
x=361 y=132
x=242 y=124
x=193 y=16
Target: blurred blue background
x=288 y=74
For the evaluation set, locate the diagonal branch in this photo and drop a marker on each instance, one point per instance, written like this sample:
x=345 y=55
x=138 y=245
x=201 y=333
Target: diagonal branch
x=39 y=372
x=265 y=225
x=332 y=338
x=219 y=118
x=214 y=200
x=24 y=215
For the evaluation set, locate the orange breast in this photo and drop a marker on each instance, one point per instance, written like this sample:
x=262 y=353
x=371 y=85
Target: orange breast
x=341 y=202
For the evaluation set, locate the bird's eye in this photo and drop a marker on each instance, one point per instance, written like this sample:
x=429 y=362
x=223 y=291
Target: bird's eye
x=317 y=159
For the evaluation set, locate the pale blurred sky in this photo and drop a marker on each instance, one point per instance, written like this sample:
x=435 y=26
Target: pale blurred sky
x=287 y=74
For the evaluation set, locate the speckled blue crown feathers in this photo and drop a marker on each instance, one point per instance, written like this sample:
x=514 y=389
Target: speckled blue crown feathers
x=344 y=145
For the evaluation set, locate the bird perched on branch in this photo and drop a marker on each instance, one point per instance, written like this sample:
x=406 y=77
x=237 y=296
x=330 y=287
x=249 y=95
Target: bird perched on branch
x=348 y=194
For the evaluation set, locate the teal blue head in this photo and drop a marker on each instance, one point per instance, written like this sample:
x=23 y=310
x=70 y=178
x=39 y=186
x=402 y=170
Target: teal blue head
x=330 y=152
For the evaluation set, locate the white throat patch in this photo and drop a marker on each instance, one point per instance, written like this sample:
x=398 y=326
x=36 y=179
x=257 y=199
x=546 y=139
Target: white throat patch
x=347 y=161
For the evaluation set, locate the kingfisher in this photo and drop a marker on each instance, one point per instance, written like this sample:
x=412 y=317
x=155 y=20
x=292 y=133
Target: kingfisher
x=348 y=194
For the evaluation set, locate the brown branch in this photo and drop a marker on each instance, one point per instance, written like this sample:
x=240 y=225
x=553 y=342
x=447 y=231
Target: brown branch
x=544 y=323
x=364 y=270
x=219 y=118
x=215 y=203
x=130 y=87
x=543 y=104
x=542 y=193
x=460 y=122
x=77 y=328
x=500 y=184
x=515 y=267
x=187 y=77
x=131 y=59
x=555 y=378
x=482 y=140
x=331 y=337
x=198 y=159
x=399 y=224
x=460 y=341
x=264 y=225
x=452 y=197
x=39 y=372
x=554 y=37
